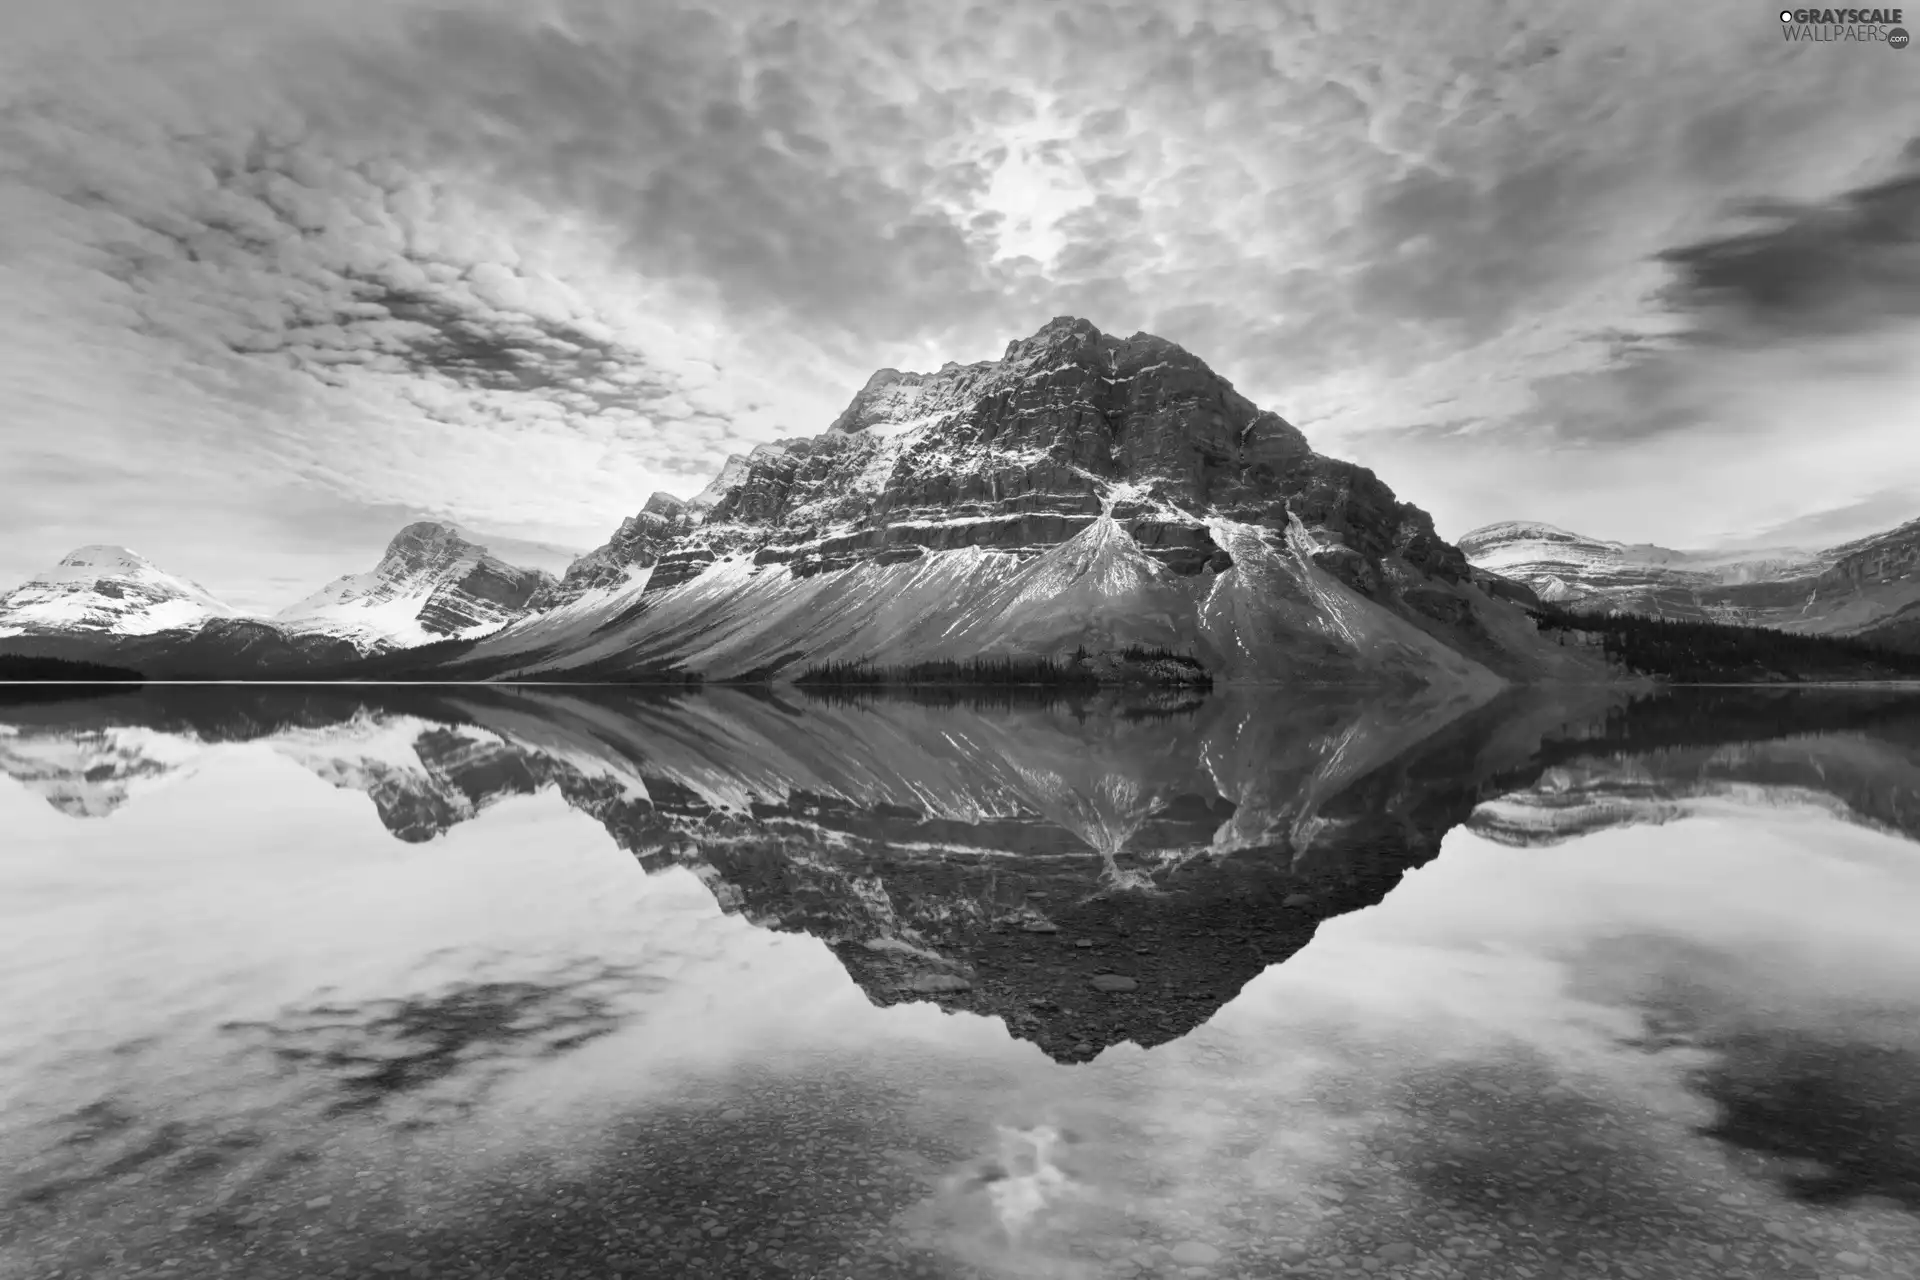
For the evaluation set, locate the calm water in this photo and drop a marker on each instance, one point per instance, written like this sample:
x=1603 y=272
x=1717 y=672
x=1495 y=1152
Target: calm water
x=543 y=984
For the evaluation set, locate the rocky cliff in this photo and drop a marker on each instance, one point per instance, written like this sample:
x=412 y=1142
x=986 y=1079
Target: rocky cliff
x=432 y=583
x=623 y=559
x=1083 y=491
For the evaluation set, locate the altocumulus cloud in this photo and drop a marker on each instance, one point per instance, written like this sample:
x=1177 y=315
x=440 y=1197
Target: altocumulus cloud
x=277 y=272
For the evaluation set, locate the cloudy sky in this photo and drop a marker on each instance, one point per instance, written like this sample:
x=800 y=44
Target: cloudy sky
x=279 y=276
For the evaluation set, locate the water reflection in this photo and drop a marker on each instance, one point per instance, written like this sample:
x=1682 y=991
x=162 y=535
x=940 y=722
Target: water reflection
x=318 y=981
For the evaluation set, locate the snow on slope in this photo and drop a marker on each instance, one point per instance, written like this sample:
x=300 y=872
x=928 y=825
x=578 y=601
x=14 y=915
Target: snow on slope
x=566 y=622
x=1561 y=565
x=736 y=617
x=1850 y=589
x=1059 y=497
x=1273 y=615
x=1323 y=628
x=105 y=590
x=432 y=584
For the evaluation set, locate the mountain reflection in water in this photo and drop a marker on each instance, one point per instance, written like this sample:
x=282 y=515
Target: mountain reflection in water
x=1137 y=988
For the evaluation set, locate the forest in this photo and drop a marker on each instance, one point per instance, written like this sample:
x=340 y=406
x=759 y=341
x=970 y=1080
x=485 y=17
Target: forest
x=1712 y=652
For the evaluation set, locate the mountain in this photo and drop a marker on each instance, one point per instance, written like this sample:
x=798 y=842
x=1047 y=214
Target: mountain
x=430 y=585
x=1864 y=588
x=106 y=591
x=1083 y=491
x=624 y=559
x=107 y=604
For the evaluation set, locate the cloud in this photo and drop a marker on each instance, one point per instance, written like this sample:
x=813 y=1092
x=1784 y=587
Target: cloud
x=520 y=265
x=1841 y=266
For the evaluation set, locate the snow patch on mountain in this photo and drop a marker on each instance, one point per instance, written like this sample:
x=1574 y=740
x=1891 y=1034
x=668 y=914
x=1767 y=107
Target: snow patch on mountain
x=1550 y=558
x=565 y=623
x=432 y=584
x=107 y=590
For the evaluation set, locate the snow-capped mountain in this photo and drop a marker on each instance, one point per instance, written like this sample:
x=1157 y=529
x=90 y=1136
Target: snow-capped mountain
x=1868 y=587
x=431 y=584
x=633 y=549
x=1083 y=491
x=106 y=591
x=107 y=604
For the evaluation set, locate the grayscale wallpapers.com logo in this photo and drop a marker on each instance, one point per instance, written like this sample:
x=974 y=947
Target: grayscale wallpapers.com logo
x=1828 y=26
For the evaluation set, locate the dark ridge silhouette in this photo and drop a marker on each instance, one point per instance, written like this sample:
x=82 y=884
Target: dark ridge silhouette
x=1713 y=652
x=420 y=662
x=24 y=667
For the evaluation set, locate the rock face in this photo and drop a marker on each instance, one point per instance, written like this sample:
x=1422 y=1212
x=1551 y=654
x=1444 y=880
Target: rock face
x=1021 y=453
x=633 y=549
x=1865 y=588
x=431 y=584
x=1083 y=491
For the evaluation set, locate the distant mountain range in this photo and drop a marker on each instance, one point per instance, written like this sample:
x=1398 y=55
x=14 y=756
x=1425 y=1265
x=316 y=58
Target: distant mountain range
x=1868 y=588
x=107 y=604
x=1082 y=499
x=957 y=854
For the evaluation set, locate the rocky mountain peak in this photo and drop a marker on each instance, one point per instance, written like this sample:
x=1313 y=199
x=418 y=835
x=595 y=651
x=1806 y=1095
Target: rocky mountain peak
x=1020 y=453
x=431 y=582
x=634 y=548
x=426 y=542
x=664 y=506
x=1062 y=333
x=106 y=558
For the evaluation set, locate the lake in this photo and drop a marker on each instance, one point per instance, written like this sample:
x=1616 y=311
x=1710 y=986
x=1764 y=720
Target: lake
x=571 y=982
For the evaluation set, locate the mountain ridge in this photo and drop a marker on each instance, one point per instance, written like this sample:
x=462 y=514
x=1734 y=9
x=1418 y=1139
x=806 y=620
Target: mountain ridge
x=1865 y=588
x=1084 y=491
x=108 y=604
x=431 y=583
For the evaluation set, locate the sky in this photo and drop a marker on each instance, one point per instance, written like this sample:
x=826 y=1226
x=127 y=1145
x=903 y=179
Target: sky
x=281 y=277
